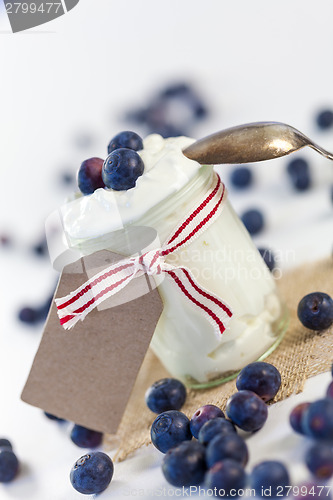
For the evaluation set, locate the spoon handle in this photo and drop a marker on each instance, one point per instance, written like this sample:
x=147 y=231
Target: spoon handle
x=250 y=143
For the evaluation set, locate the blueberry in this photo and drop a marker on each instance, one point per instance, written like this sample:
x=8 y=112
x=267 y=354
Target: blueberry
x=329 y=392
x=213 y=427
x=296 y=417
x=331 y=193
x=185 y=465
x=260 y=377
x=86 y=438
x=269 y=479
x=202 y=415
x=176 y=90
x=241 y=177
x=165 y=394
x=324 y=119
x=89 y=176
x=315 y=311
x=227 y=446
x=169 y=429
x=317 y=420
x=253 y=220
x=5 y=443
x=121 y=169
x=247 y=410
x=127 y=139
x=268 y=257
x=53 y=417
x=28 y=315
x=319 y=460
x=40 y=249
x=299 y=173
x=9 y=465
x=227 y=477
x=92 y=473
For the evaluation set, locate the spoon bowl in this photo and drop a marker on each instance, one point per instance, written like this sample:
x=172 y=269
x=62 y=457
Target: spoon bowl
x=250 y=143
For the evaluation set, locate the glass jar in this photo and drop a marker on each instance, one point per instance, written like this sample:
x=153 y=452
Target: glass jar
x=224 y=260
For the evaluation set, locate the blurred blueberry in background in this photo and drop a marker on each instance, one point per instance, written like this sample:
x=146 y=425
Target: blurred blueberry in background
x=171 y=112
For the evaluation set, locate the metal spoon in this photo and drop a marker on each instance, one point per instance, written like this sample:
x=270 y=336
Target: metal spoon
x=249 y=143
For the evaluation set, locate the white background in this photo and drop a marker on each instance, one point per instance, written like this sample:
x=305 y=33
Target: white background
x=251 y=61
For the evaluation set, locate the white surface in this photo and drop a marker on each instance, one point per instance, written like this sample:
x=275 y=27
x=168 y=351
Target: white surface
x=255 y=61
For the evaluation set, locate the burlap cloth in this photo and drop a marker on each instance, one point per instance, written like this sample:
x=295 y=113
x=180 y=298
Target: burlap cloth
x=301 y=355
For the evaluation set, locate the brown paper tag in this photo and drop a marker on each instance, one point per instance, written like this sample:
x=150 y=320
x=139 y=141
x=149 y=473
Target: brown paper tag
x=86 y=374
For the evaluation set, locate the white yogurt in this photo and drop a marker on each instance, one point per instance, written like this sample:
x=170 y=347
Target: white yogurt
x=223 y=259
x=166 y=171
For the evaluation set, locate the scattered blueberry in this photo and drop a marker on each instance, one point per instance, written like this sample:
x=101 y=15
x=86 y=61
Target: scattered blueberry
x=269 y=479
x=202 y=415
x=9 y=465
x=329 y=392
x=331 y=193
x=28 y=315
x=121 y=169
x=166 y=394
x=227 y=446
x=260 y=377
x=296 y=417
x=227 y=476
x=247 y=410
x=268 y=257
x=185 y=465
x=253 y=220
x=324 y=119
x=5 y=443
x=317 y=420
x=169 y=429
x=315 y=311
x=92 y=473
x=299 y=173
x=241 y=177
x=86 y=438
x=90 y=175
x=33 y=315
x=319 y=460
x=40 y=249
x=214 y=427
x=53 y=417
x=126 y=139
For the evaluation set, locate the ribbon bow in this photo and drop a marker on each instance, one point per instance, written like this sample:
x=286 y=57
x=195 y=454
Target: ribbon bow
x=79 y=303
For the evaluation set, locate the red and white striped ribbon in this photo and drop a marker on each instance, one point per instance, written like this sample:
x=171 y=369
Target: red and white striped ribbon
x=79 y=303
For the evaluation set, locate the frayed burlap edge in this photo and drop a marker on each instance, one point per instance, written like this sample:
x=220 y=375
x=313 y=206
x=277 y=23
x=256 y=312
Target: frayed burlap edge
x=301 y=355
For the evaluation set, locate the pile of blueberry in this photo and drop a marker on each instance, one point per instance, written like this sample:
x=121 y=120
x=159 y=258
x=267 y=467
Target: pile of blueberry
x=207 y=448
x=119 y=171
x=315 y=420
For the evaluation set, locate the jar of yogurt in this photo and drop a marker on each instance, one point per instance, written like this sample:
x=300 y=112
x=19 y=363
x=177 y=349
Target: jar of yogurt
x=222 y=259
